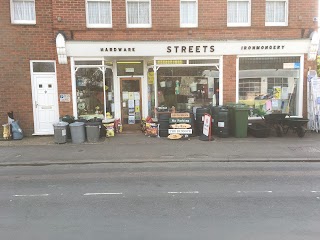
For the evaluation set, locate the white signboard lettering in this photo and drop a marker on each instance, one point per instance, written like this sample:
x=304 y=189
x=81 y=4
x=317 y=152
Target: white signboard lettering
x=180 y=131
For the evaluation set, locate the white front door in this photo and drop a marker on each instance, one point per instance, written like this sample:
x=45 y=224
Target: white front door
x=45 y=103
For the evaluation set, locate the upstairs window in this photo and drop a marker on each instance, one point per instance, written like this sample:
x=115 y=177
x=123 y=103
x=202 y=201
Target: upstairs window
x=188 y=13
x=138 y=13
x=23 y=11
x=239 y=13
x=99 y=13
x=276 y=13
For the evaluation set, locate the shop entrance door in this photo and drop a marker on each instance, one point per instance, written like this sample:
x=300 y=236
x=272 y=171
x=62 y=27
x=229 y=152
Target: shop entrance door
x=45 y=107
x=130 y=103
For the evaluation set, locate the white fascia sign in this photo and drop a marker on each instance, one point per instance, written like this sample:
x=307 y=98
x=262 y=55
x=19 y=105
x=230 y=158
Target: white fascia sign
x=182 y=49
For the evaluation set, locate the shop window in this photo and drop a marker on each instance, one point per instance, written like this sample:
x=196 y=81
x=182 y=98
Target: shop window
x=186 y=88
x=99 y=13
x=43 y=67
x=239 y=13
x=276 y=12
x=269 y=85
x=90 y=95
x=188 y=13
x=109 y=91
x=139 y=13
x=130 y=68
x=23 y=11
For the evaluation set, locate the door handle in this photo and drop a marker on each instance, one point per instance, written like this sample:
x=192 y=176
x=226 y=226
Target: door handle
x=35 y=102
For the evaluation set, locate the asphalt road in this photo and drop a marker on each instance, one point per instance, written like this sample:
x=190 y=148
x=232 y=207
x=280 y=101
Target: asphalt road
x=161 y=201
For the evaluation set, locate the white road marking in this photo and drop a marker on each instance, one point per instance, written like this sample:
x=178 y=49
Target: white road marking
x=93 y=194
x=32 y=195
x=254 y=191
x=315 y=191
x=183 y=192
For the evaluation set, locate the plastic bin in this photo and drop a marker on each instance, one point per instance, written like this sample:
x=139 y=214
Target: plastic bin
x=98 y=121
x=239 y=120
x=60 y=132
x=222 y=122
x=69 y=119
x=93 y=131
x=77 y=132
x=214 y=114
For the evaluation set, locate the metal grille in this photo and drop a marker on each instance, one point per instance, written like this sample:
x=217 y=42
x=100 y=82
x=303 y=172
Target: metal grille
x=266 y=62
x=204 y=61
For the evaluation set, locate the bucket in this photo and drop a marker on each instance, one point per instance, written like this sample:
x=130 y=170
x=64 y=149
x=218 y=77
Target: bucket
x=163 y=84
x=193 y=87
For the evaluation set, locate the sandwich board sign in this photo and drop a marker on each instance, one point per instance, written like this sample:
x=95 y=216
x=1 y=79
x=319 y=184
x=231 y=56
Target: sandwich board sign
x=207 y=126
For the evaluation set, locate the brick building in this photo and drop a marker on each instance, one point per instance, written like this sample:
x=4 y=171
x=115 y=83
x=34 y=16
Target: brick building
x=88 y=57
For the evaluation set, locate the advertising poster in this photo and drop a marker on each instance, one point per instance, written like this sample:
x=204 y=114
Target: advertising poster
x=277 y=92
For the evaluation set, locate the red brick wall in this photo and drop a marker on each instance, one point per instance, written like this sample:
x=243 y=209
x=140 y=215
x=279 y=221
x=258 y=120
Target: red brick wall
x=229 y=79
x=64 y=87
x=212 y=22
x=21 y=43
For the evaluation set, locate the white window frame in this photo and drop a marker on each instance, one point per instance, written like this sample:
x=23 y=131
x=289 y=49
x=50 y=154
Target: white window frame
x=285 y=23
x=98 y=25
x=30 y=22
x=248 y=24
x=148 y=25
x=188 y=25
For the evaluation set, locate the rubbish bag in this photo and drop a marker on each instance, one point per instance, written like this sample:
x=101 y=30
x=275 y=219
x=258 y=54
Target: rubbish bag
x=16 y=130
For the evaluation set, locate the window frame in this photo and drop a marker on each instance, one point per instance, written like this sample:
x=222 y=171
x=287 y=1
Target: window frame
x=26 y=22
x=285 y=23
x=248 y=24
x=188 y=25
x=139 y=25
x=98 y=25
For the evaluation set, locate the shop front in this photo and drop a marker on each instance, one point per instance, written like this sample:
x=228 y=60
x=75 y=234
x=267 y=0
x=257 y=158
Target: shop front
x=129 y=80
x=271 y=84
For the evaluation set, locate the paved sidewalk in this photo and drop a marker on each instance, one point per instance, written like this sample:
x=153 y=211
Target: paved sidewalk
x=137 y=148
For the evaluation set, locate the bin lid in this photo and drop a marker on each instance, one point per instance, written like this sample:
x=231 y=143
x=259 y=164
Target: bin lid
x=76 y=124
x=93 y=123
x=60 y=124
x=92 y=126
x=108 y=120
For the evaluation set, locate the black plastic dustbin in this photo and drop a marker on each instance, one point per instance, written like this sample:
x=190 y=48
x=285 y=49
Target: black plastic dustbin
x=98 y=122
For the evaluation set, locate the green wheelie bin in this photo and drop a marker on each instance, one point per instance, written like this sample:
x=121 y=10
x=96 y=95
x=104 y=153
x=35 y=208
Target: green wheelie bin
x=238 y=119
